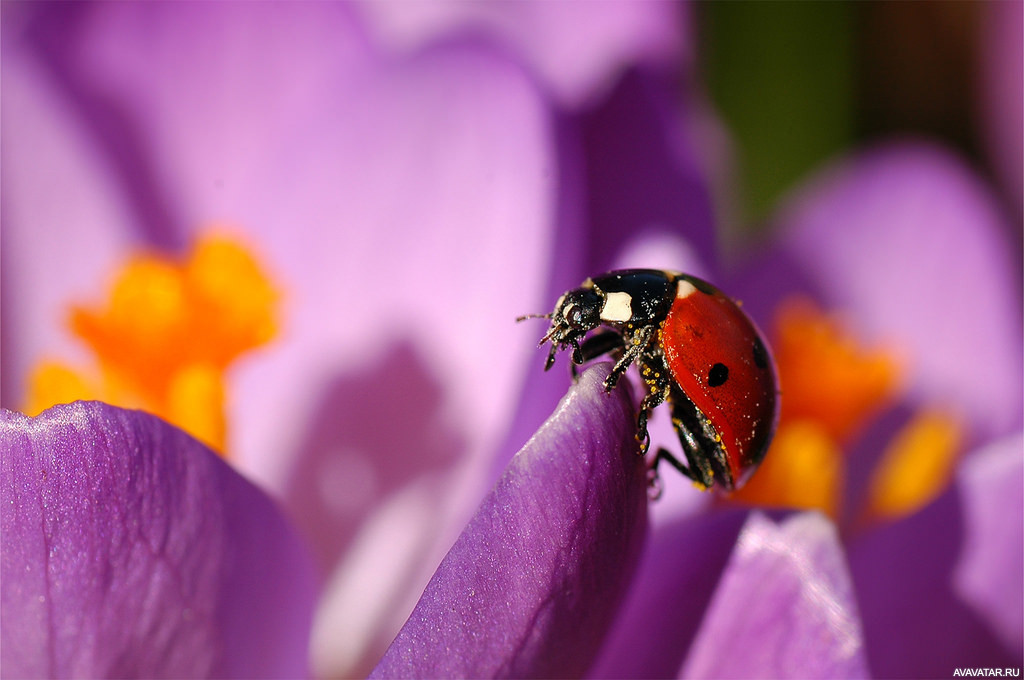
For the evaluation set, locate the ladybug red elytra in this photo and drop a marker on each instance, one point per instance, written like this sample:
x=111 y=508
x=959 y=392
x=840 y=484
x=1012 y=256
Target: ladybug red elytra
x=696 y=350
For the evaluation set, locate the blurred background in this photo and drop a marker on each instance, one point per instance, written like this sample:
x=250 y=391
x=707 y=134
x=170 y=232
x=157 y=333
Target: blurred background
x=797 y=83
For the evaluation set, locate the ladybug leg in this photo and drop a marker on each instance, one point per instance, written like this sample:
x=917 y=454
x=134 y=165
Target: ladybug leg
x=697 y=467
x=595 y=346
x=636 y=345
x=697 y=457
x=550 y=361
x=557 y=345
x=654 y=486
x=663 y=454
x=651 y=400
x=659 y=385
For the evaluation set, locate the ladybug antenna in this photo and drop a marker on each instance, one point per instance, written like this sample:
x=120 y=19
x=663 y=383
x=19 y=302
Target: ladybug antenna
x=533 y=316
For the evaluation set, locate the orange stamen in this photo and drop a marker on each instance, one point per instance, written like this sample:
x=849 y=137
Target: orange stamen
x=825 y=375
x=916 y=465
x=167 y=334
x=831 y=387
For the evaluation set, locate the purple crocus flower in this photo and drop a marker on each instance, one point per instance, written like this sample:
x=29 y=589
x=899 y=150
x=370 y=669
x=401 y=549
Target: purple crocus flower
x=905 y=242
x=401 y=207
x=411 y=187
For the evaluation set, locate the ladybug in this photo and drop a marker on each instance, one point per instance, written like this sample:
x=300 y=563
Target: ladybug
x=696 y=350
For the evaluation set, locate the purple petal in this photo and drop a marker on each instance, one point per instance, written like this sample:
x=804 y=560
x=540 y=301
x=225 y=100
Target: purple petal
x=784 y=607
x=53 y=250
x=576 y=49
x=532 y=584
x=988 y=574
x=642 y=175
x=909 y=244
x=908 y=573
x=669 y=596
x=405 y=206
x=131 y=550
x=1002 y=93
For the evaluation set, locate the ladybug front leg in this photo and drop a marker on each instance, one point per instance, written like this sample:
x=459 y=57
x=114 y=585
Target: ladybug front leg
x=557 y=345
x=636 y=344
x=597 y=345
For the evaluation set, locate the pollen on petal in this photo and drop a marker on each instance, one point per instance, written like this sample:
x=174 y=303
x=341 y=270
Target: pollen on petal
x=916 y=465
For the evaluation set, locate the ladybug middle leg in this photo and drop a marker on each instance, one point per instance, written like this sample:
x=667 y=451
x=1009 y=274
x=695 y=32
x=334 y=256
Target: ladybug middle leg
x=685 y=420
x=656 y=376
x=653 y=370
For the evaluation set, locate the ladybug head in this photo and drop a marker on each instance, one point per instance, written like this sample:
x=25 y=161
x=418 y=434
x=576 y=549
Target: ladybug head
x=576 y=312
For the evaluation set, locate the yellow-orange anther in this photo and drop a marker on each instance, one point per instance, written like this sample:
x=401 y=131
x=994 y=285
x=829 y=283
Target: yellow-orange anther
x=916 y=465
x=166 y=334
x=803 y=470
x=831 y=386
x=825 y=375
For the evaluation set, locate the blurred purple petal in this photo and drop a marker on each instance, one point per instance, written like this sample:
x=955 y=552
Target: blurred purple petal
x=392 y=199
x=47 y=154
x=576 y=49
x=438 y=170
x=784 y=607
x=531 y=586
x=131 y=550
x=988 y=574
x=198 y=109
x=642 y=175
x=1002 y=94
x=667 y=602
x=909 y=243
x=443 y=192
x=915 y=623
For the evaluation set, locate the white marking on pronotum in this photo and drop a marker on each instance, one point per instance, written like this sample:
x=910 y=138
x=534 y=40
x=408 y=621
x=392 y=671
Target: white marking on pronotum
x=617 y=307
x=684 y=289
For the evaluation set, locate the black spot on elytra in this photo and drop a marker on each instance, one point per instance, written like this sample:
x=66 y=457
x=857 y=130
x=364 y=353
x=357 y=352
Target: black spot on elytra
x=718 y=374
x=760 y=354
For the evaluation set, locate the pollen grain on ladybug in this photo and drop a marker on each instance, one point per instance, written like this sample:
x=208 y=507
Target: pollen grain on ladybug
x=693 y=346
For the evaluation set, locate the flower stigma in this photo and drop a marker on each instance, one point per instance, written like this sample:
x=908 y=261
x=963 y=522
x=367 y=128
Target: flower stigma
x=833 y=387
x=167 y=334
